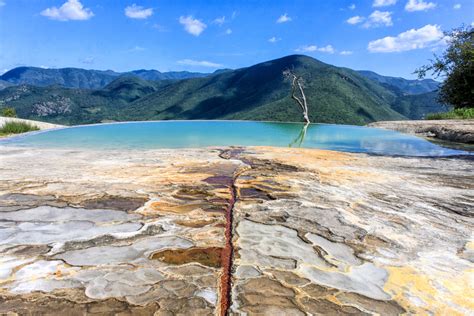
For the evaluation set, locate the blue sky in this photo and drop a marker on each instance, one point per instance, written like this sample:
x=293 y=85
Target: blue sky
x=391 y=37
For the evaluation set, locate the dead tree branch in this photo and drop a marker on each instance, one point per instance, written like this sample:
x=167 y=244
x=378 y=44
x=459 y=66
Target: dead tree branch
x=297 y=86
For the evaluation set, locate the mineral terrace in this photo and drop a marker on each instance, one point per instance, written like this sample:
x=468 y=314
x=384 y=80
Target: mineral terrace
x=257 y=231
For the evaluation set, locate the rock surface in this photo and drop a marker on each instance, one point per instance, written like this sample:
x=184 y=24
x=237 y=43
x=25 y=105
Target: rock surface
x=461 y=131
x=312 y=232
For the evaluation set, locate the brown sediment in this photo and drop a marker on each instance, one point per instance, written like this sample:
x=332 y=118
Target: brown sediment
x=115 y=202
x=222 y=181
x=166 y=207
x=195 y=223
x=211 y=256
x=255 y=193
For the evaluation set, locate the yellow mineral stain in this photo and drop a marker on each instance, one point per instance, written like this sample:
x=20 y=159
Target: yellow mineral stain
x=195 y=223
x=306 y=157
x=419 y=293
x=330 y=166
x=168 y=207
x=469 y=245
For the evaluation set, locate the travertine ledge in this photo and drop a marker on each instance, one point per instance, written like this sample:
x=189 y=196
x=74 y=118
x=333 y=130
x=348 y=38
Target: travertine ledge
x=143 y=232
x=461 y=131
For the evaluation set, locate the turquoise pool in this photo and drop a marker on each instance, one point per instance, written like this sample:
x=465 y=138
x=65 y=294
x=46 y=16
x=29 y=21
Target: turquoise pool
x=181 y=134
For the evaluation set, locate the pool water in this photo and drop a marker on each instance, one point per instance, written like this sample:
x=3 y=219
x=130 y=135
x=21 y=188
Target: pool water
x=191 y=134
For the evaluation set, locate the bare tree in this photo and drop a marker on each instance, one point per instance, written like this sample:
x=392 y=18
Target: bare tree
x=297 y=87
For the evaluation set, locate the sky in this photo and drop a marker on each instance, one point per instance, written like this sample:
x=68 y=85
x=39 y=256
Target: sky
x=390 y=37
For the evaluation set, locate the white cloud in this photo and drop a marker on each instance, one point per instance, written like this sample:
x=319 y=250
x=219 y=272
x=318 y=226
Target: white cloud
x=228 y=31
x=427 y=36
x=355 y=19
x=136 y=49
x=70 y=10
x=457 y=6
x=307 y=49
x=379 y=18
x=87 y=60
x=346 y=52
x=191 y=25
x=352 y=7
x=383 y=3
x=219 y=21
x=419 y=5
x=274 y=39
x=201 y=63
x=138 y=12
x=283 y=18
x=313 y=48
x=327 y=49
x=159 y=27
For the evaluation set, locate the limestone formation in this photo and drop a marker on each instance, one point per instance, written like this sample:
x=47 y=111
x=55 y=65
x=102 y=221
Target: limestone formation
x=290 y=231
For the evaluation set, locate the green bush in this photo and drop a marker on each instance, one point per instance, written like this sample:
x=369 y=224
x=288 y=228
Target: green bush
x=17 y=128
x=8 y=112
x=456 y=114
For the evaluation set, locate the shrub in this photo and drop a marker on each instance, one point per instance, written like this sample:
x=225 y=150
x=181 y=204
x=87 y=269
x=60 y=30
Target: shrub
x=17 y=128
x=8 y=112
x=456 y=114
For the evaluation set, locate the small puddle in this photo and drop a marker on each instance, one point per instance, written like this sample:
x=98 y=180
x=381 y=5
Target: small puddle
x=210 y=257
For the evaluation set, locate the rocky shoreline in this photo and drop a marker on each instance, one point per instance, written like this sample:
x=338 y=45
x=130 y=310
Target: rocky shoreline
x=460 y=131
x=256 y=230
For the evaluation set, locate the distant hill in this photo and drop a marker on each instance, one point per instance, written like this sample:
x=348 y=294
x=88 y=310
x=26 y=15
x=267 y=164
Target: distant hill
x=259 y=92
x=156 y=75
x=84 y=78
x=416 y=106
x=406 y=86
x=4 y=84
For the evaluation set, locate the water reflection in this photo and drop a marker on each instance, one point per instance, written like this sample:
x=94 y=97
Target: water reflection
x=300 y=138
x=193 y=134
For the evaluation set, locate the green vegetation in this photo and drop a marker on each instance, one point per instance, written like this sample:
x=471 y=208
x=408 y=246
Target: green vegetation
x=335 y=95
x=8 y=112
x=456 y=114
x=456 y=64
x=418 y=106
x=17 y=128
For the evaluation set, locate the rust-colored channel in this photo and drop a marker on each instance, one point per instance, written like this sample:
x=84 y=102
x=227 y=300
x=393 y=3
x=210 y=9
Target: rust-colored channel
x=227 y=252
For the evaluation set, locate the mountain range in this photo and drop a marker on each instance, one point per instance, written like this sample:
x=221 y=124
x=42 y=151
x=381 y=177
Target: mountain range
x=85 y=78
x=259 y=92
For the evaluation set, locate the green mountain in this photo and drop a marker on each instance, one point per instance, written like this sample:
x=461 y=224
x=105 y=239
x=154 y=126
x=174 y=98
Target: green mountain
x=84 y=78
x=406 y=86
x=416 y=106
x=4 y=84
x=336 y=95
x=259 y=92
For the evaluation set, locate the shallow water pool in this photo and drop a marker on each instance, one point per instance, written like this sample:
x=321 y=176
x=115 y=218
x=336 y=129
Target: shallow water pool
x=191 y=134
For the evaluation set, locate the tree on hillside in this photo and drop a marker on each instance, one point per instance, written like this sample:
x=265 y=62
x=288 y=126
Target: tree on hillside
x=297 y=87
x=8 y=112
x=456 y=65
